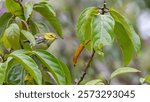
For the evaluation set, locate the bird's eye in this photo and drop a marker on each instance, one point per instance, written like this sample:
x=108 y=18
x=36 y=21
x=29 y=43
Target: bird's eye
x=51 y=36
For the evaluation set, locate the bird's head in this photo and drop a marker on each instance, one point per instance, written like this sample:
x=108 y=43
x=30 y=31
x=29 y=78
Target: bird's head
x=50 y=36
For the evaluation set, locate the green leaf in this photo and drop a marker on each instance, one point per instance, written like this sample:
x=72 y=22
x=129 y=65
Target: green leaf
x=4 y=19
x=22 y=51
x=67 y=72
x=19 y=22
x=5 y=41
x=38 y=27
x=57 y=68
x=16 y=75
x=14 y=8
x=95 y=82
x=1 y=52
x=28 y=8
x=127 y=33
x=29 y=64
x=41 y=27
x=33 y=27
x=28 y=80
x=145 y=79
x=123 y=70
x=3 y=68
x=135 y=39
x=102 y=31
x=84 y=23
x=124 y=42
x=29 y=37
x=46 y=10
x=142 y=80
x=13 y=36
x=129 y=29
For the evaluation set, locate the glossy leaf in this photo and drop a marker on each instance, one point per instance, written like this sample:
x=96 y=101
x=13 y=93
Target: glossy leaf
x=135 y=39
x=29 y=64
x=102 y=31
x=124 y=42
x=95 y=82
x=5 y=41
x=145 y=79
x=3 y=68
x=28 y=8
x=13 y=36
x=29 y=37
x=128 y=27
x=57 y=68
x=46 y=10
x=84 y=23
x=15 y=75
x=123 y=70
x=22 y=51
x=67 y=72
x=14 y=8
x=4 y=19
x=127 y=33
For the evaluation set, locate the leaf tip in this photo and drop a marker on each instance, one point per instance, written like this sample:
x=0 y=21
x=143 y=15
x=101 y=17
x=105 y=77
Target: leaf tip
x=74 y=65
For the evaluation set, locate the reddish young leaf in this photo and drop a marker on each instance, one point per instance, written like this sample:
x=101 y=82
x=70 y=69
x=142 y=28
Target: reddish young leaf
x=78 y=51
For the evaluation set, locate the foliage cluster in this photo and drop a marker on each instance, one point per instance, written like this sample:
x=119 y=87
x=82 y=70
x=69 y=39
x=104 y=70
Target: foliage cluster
x=22 y=63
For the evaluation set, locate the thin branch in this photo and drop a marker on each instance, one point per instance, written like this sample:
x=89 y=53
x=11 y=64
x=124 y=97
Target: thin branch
x=86 y=68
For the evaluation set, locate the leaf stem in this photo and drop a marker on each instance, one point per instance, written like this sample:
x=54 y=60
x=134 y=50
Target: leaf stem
x=86 y=68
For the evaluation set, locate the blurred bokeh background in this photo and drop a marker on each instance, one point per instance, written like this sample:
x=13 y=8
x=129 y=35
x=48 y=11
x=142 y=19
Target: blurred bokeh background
x=137 y=11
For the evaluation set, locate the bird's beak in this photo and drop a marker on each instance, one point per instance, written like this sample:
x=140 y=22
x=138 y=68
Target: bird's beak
x=56 y=37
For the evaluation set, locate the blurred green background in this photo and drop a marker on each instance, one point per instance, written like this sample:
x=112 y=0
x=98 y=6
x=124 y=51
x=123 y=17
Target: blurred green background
x=137 y=11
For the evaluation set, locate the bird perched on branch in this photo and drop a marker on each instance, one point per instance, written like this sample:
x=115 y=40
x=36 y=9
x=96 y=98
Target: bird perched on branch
x=43 y=41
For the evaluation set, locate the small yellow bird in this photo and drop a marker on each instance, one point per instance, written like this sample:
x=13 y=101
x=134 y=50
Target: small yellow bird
x=43 y=41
